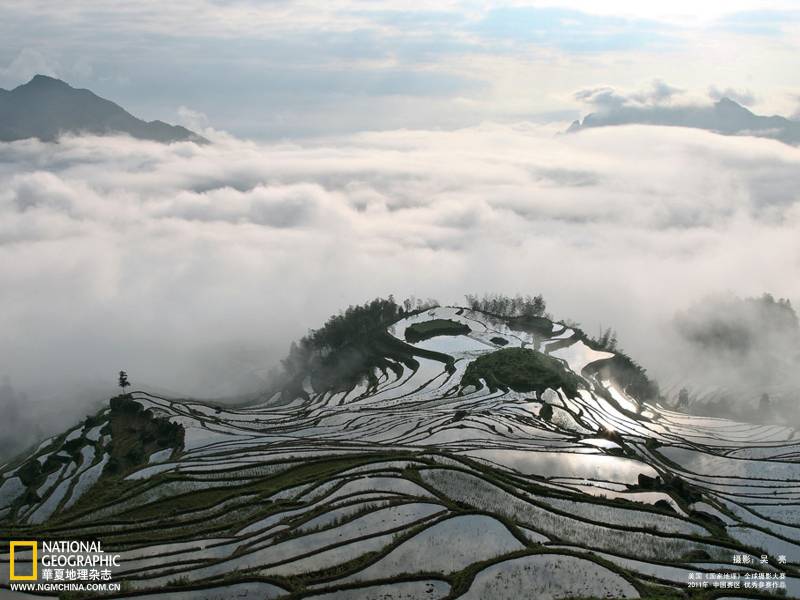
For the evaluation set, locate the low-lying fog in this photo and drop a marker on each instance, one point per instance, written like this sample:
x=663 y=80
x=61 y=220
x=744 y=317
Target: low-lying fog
x=194 y=267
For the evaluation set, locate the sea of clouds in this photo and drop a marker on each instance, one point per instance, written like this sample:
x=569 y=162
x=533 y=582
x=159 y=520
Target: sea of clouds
x=193 y=267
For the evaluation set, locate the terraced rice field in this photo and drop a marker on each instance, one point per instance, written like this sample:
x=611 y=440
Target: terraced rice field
x=416 y=486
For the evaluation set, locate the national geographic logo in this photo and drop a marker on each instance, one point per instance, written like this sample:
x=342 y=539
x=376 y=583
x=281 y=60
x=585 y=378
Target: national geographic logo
x=14 y=574
x=58 y=561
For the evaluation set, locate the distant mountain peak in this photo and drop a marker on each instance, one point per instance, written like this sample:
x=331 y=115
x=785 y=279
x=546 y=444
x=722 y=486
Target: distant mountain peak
x=574 y=126
x=725 y=117
x=45 y=84
x=38 y=78
x=47 y=107
x=727 y=104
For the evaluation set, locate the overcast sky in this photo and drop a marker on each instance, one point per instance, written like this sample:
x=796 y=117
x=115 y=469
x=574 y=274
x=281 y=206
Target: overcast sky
x=277 y=69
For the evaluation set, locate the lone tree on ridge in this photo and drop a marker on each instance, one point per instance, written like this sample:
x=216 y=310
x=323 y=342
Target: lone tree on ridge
x=123 y=380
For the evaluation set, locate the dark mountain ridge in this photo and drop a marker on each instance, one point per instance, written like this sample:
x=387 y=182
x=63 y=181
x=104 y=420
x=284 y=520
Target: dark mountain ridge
x=725 y=117
x=46 y=108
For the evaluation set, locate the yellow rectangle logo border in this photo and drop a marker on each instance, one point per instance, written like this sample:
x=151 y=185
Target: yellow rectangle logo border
x=34 y=546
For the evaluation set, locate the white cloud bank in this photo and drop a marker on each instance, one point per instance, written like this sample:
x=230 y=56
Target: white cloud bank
x=193 y=267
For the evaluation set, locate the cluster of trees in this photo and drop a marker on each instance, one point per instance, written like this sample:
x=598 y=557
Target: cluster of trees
x=349 y=328
x=606 y=341
x=418 y=332
x=632 y=377
x=414 y=304
x=777 y=313
x=522 y=370
x=626 y=372
x=342 y=335
x=777 y=317
x=735 y=349
x=732 y=326
x=508 y=306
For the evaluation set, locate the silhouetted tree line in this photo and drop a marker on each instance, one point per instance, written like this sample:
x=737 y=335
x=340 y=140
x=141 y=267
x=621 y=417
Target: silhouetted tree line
x=633 y=377
x=627 y=372
x=781 y=311
x=508 y=306
x=739 y=325
x=607 y=340
x=349 y=327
